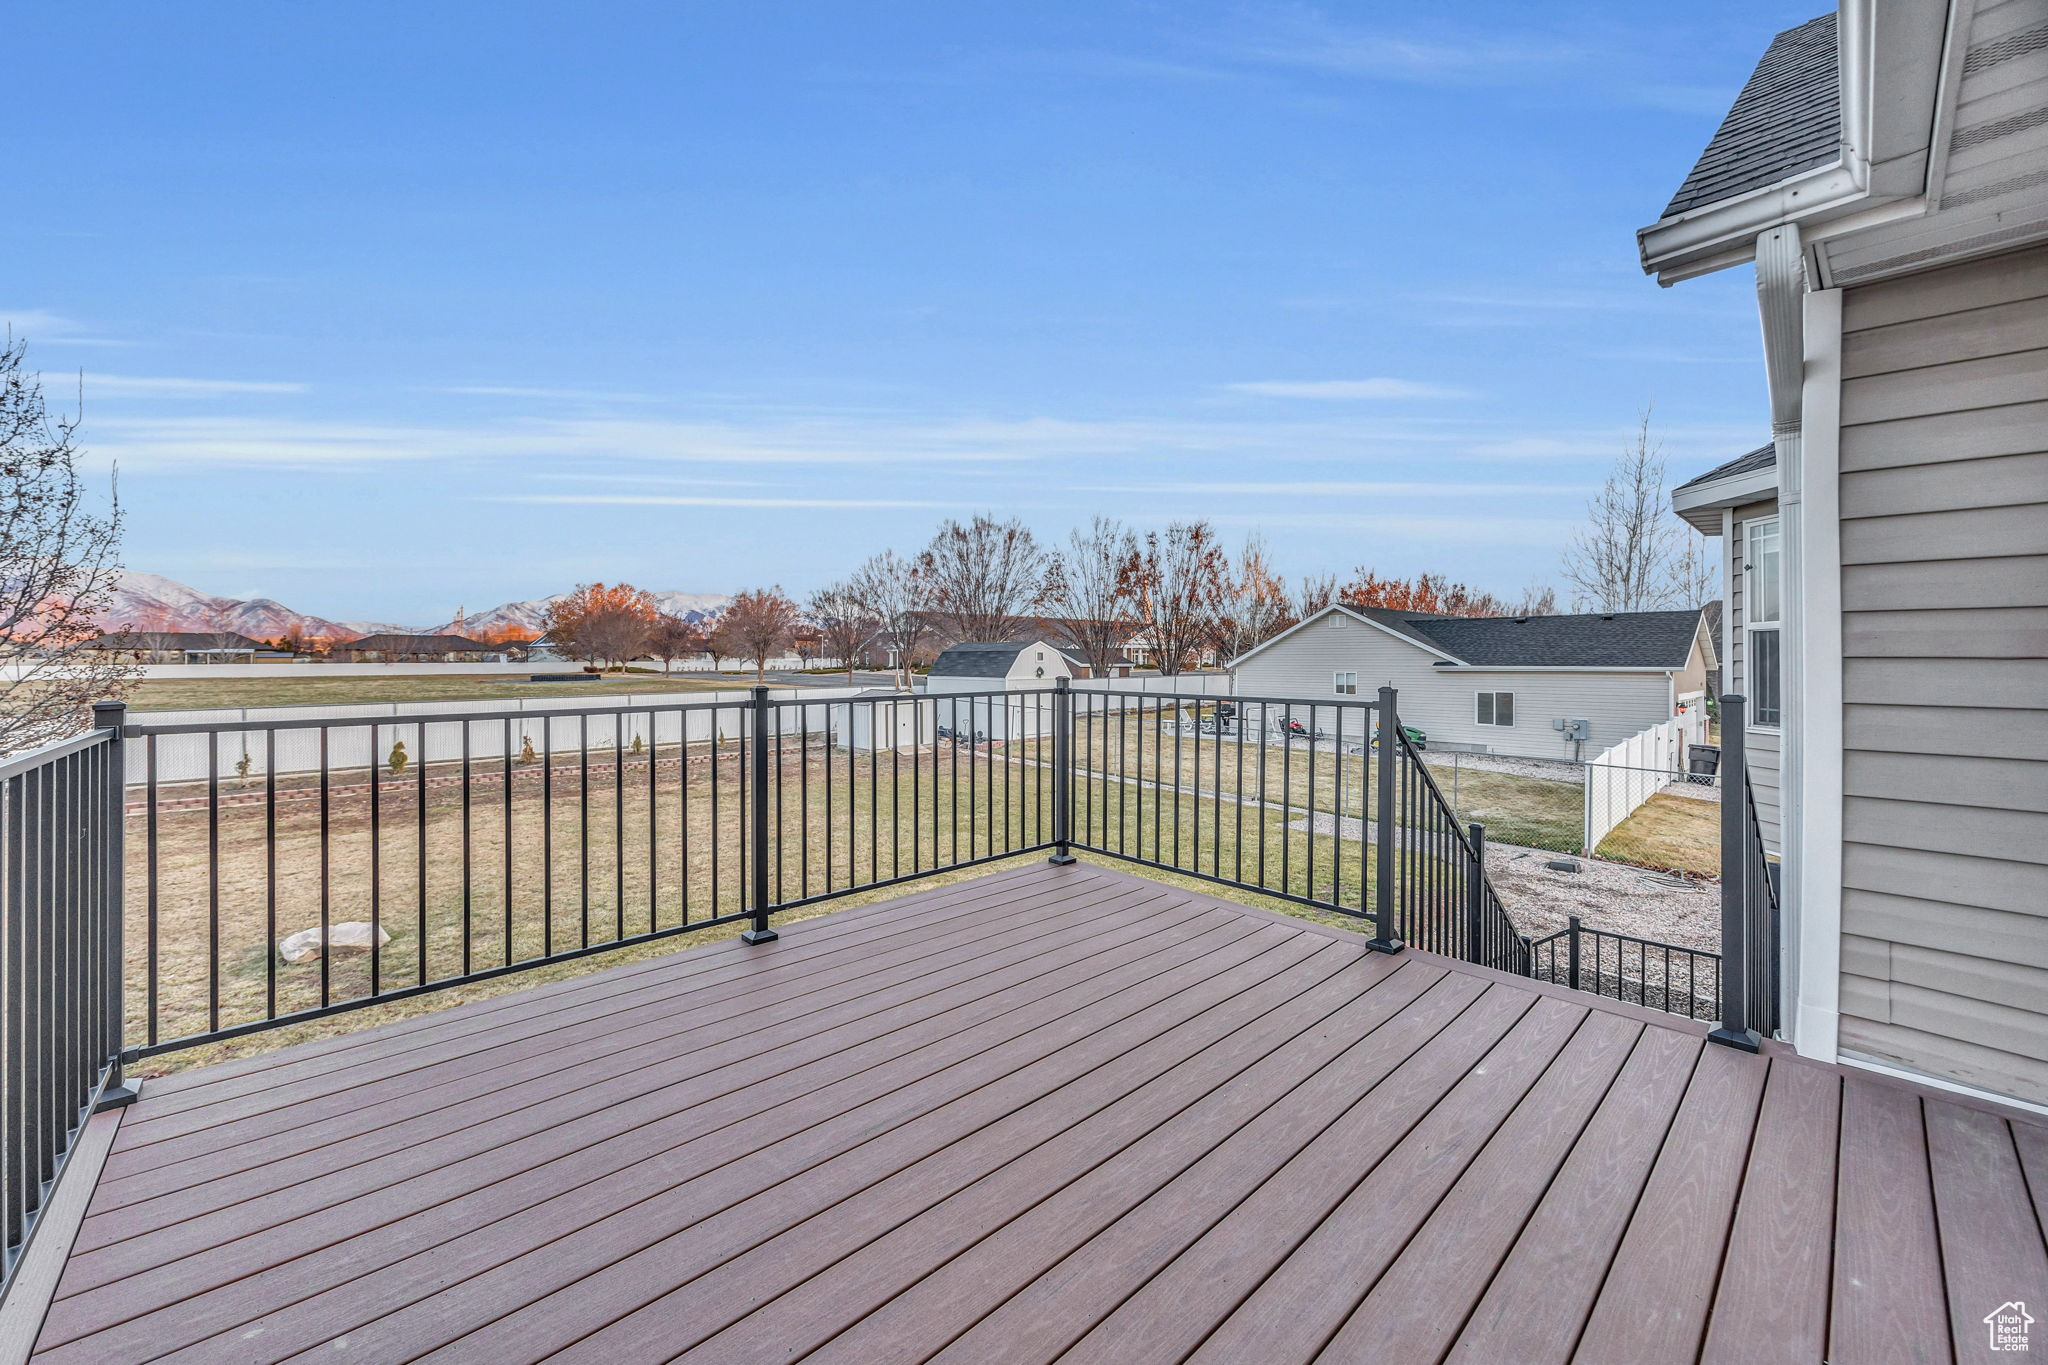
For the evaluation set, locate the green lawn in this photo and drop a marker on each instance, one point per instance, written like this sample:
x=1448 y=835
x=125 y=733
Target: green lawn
x=189 y=694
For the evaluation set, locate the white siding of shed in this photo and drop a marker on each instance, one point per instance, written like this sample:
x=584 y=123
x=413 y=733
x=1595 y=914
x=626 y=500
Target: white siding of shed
x=1944 y=505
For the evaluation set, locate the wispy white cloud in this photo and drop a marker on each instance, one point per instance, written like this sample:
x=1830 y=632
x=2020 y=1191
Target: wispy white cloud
x=137 y=386
x=543 y=394
x=42 y=325
x=688 y=500
x=1340 y=390
x=1297 y=36
x=1344 y=489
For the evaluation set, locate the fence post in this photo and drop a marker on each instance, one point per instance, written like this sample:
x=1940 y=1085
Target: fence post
x=112 y=716
x=1571 y=952
x=1475 y=895
x=1735 y=1030
x=1383 y=939
x=1062 y=773
x=758 y=931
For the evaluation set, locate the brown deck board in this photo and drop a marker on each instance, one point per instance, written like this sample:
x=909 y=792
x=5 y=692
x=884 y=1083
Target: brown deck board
x=1888 y=1301
x=729 y=1066
x=1773 y=1298
x=1991 y=1250
x=1048 y=1113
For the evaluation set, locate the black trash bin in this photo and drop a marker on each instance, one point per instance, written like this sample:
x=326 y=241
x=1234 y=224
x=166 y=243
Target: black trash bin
x=1703 y=760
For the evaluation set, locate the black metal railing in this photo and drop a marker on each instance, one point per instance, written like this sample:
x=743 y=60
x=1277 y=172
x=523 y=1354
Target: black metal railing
x=1301 y=800
x=1749 y=899
x=60 y=962
x=1638 y=971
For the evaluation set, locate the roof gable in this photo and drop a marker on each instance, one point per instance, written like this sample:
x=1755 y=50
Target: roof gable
x=985 y=658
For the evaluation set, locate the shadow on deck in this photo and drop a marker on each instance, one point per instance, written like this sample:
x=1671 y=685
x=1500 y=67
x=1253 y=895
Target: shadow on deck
x=1056 y=1112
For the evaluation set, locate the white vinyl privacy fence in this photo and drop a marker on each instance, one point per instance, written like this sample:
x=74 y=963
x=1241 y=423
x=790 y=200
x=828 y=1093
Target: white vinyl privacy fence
x=1619 y=780
x=365 y=734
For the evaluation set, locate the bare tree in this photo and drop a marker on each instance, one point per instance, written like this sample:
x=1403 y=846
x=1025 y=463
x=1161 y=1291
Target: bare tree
x=755 y=626
x=891 y=591
x=1179 y=579
x=1254 y=607
x=605 y=624
x=670 y=637
x=1695 y=569
x=59 y=565
x=1538 y=599
x=844 y=624
x=982 y=576
x=1090 y=586
x=1315 y=592
x=1626 y=557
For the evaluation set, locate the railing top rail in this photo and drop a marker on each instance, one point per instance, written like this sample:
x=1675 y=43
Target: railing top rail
x=1586 y=932
x=1437 y=793
x=194 y=727
x=32 y=759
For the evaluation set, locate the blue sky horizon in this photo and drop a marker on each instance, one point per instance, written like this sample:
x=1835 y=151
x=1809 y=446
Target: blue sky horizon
x=384 y=309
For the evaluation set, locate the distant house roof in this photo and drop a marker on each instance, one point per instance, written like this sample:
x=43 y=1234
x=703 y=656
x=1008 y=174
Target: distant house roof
x=987 y=659
x=1788 y=119
x=1763 y=457
x=416 y=644
x=1635 y=639
x=171 y=641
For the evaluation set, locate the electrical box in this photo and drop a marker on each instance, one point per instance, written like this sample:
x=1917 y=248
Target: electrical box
x=1579 y=728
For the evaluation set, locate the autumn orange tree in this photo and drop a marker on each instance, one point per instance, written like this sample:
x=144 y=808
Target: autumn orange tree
x=1179 y=580
x=755 y=626
x=1431 y=594
x=606 y=624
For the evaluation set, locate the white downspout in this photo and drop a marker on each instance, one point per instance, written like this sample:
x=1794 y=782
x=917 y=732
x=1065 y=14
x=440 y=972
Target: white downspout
x=1781 y=289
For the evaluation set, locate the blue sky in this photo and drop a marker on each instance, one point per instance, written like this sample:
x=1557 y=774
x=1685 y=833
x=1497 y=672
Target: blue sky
x=386 y=308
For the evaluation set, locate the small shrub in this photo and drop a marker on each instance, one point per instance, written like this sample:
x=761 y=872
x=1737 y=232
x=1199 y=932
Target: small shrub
x=397 y=761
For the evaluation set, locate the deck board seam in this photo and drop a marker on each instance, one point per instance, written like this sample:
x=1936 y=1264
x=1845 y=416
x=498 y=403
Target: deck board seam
x=1248 y=932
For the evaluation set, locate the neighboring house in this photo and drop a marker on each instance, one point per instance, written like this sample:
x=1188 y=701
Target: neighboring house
x=1889 y=190
x=411 y=649
x=1139 y=649
x=180 y=647
x=1494 y=684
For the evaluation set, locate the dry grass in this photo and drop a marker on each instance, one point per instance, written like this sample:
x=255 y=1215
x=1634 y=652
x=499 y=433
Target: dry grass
x=192 y=694
x=590 y=860
x=1678 y=833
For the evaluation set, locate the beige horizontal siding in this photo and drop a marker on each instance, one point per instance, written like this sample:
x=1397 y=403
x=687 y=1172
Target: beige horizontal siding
x=1944 y=505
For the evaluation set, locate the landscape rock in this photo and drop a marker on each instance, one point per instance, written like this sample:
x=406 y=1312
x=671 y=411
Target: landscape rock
x=347 y=939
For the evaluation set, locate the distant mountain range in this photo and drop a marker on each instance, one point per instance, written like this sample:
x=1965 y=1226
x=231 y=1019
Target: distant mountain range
x=147 y=601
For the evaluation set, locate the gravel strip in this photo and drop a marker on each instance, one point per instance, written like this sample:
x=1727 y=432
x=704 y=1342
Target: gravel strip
x=1604 y=895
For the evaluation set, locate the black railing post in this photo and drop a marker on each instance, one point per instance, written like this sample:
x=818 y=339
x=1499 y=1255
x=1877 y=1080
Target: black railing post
x=757 y=753
x=112 y=716
x=1384 y=939
x=1736 y=1028
x=1062 y=773
x=1475 y=895
x=1571 y=952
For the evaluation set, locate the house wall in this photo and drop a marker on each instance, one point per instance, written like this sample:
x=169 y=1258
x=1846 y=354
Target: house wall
x=1944 y=580
x=1441 y=703
x=1764 y=743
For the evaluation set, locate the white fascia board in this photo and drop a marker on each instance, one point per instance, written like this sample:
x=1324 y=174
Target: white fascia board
x=1340 y=608
x=1732 y=491
x=1713 y=238
x=1558 y=668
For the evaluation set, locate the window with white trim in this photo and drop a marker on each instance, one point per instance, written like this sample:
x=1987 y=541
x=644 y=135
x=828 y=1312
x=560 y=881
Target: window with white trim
x=1345 y=684
x=1762 y=620
x=1494 y=708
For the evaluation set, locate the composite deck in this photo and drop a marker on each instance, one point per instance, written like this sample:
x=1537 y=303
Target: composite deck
x=1056 y=1113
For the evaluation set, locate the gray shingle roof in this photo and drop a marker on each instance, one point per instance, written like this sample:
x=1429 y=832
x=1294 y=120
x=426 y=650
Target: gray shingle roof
x=979 y=659
x=1763 y=457
x=1634 y=639
x=1786 y=120
x=416 y=644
